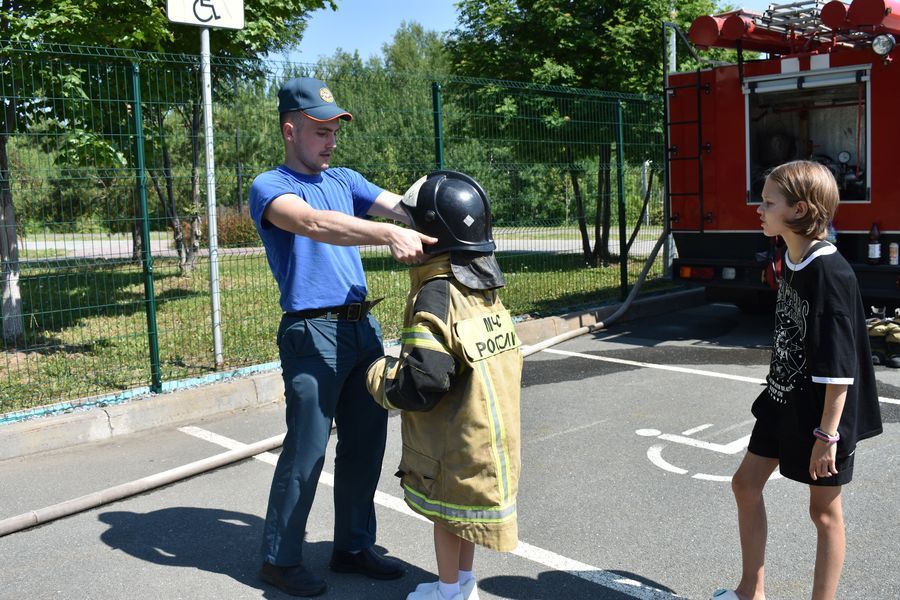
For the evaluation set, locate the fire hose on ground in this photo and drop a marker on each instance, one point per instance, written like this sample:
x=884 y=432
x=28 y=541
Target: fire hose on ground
x=139 y=486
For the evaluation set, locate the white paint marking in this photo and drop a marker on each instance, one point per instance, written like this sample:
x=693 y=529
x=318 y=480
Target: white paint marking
x=629 y=587
x=697 y=429
x=706 y=477
x=225 y=442
x=648 y=432
x=775 y=475
x=729 y=448
x=741 y=425
x=635 y=363
x=567 y=431
x=654 y=453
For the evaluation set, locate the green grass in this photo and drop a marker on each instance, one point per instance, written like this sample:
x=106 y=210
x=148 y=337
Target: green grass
x=86 y=322
x=569 y=232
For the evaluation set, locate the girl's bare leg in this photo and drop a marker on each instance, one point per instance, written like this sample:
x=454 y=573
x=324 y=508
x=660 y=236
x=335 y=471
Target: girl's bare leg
x=747 y=484
x=828 y=517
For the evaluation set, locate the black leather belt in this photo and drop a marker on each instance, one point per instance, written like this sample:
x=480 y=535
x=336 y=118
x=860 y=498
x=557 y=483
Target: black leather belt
x=346 y=312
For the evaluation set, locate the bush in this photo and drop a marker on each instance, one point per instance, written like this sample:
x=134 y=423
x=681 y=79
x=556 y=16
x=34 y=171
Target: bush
x=234 y=230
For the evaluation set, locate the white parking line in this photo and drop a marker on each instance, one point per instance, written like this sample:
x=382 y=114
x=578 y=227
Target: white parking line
x=697 y=429
x=635 y=363
x=269 y=458
x=629 y=587
x=549 y=436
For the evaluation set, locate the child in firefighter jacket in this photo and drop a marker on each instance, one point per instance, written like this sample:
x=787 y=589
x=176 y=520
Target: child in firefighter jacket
x=457 y=382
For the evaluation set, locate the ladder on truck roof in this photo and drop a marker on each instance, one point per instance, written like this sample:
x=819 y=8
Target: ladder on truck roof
x=800 y=18
x=794 y=27
x=700 y=89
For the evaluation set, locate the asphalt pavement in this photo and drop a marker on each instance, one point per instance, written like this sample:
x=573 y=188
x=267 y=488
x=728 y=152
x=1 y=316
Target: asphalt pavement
x=629 y=440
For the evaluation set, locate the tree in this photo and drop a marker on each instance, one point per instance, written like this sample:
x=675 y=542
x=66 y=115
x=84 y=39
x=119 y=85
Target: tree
x=601 y=45
x=416 y=50
x=404 y=139
x=604 y=45
x=131 y=24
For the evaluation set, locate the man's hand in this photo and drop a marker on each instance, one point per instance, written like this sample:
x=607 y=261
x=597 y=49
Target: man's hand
x=407 y=245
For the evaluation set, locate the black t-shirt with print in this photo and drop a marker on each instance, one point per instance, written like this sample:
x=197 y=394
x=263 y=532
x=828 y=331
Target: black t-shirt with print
x=820 y=338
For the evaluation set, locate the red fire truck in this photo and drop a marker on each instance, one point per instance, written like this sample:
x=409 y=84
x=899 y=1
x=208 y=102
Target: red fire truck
x=826 y=88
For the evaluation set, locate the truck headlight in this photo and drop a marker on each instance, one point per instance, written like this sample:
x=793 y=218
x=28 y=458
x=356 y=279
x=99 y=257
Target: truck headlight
x=883 y=44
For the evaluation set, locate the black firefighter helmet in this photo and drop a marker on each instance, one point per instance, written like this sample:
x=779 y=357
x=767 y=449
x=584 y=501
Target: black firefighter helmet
x=455 y=209
x=452 y=207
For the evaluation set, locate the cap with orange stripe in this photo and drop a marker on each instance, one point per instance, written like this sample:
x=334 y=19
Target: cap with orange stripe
x=311 y=96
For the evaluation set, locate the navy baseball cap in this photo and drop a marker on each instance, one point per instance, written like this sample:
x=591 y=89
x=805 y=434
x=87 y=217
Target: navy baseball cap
x=311 y=96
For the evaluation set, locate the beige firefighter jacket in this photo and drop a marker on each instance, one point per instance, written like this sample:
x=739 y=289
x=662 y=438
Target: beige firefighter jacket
x=457 y=381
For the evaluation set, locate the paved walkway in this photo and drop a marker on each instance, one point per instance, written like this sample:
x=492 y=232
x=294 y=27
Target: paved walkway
x=629 y=439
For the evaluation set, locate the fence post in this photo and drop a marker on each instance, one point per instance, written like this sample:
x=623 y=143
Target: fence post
x=438 y=125
x=620 y=181
x=152 y=332
x=238 y=167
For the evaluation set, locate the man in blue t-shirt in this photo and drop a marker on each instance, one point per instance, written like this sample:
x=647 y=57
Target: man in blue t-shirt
x=311 y=220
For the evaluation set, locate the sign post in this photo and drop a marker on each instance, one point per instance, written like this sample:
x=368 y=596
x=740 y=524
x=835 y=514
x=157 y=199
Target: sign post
x=225 y=14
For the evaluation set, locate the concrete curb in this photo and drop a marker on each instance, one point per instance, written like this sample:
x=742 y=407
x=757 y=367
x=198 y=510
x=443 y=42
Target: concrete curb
x=190 y=405
x=533 y=331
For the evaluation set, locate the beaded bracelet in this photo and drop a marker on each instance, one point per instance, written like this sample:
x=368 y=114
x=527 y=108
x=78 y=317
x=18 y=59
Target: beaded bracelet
x=825 y=436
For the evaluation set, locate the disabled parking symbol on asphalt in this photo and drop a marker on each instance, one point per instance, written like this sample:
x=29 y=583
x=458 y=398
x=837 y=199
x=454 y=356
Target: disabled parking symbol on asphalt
x=654 y=453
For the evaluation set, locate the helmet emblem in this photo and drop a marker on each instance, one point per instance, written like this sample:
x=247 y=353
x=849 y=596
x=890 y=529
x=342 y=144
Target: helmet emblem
x=325 y=94
x=468 y=220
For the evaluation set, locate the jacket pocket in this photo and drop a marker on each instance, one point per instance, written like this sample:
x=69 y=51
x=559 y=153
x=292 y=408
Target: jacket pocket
x=420 y=472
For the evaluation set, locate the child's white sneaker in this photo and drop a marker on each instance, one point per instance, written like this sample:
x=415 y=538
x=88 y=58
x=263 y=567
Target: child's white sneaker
x=723 y=594
x=430 y=591
x=468 y=590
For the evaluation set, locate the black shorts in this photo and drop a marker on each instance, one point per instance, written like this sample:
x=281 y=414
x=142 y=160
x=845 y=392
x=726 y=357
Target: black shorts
x=793 y=452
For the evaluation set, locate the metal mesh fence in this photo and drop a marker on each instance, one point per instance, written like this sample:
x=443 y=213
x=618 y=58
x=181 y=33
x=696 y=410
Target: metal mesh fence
x=106 y=273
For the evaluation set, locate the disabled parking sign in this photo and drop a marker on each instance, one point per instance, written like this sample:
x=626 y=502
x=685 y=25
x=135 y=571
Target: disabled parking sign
x=219 y=14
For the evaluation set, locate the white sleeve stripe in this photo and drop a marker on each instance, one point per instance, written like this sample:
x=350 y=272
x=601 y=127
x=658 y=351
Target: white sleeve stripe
x=835 y=380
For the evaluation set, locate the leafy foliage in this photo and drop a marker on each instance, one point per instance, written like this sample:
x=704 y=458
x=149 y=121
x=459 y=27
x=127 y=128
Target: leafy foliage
x=271 y=25
x=604 y=45
x=234 y=230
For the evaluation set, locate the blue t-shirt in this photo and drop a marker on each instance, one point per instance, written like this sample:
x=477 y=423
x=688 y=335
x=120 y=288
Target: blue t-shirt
x=313 y=274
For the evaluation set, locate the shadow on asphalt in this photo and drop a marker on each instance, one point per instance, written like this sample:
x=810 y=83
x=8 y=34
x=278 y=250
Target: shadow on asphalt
x=214 y=540
x=553 y=585
x=228 y=543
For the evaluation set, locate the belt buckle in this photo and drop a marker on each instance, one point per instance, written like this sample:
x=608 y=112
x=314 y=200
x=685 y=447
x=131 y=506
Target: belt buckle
x=355 y=311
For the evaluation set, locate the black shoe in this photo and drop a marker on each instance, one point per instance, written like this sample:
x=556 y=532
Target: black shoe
x=296 y=580
x=367 y=563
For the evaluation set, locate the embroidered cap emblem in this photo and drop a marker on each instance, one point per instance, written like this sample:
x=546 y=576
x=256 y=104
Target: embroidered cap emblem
x=325 y=94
